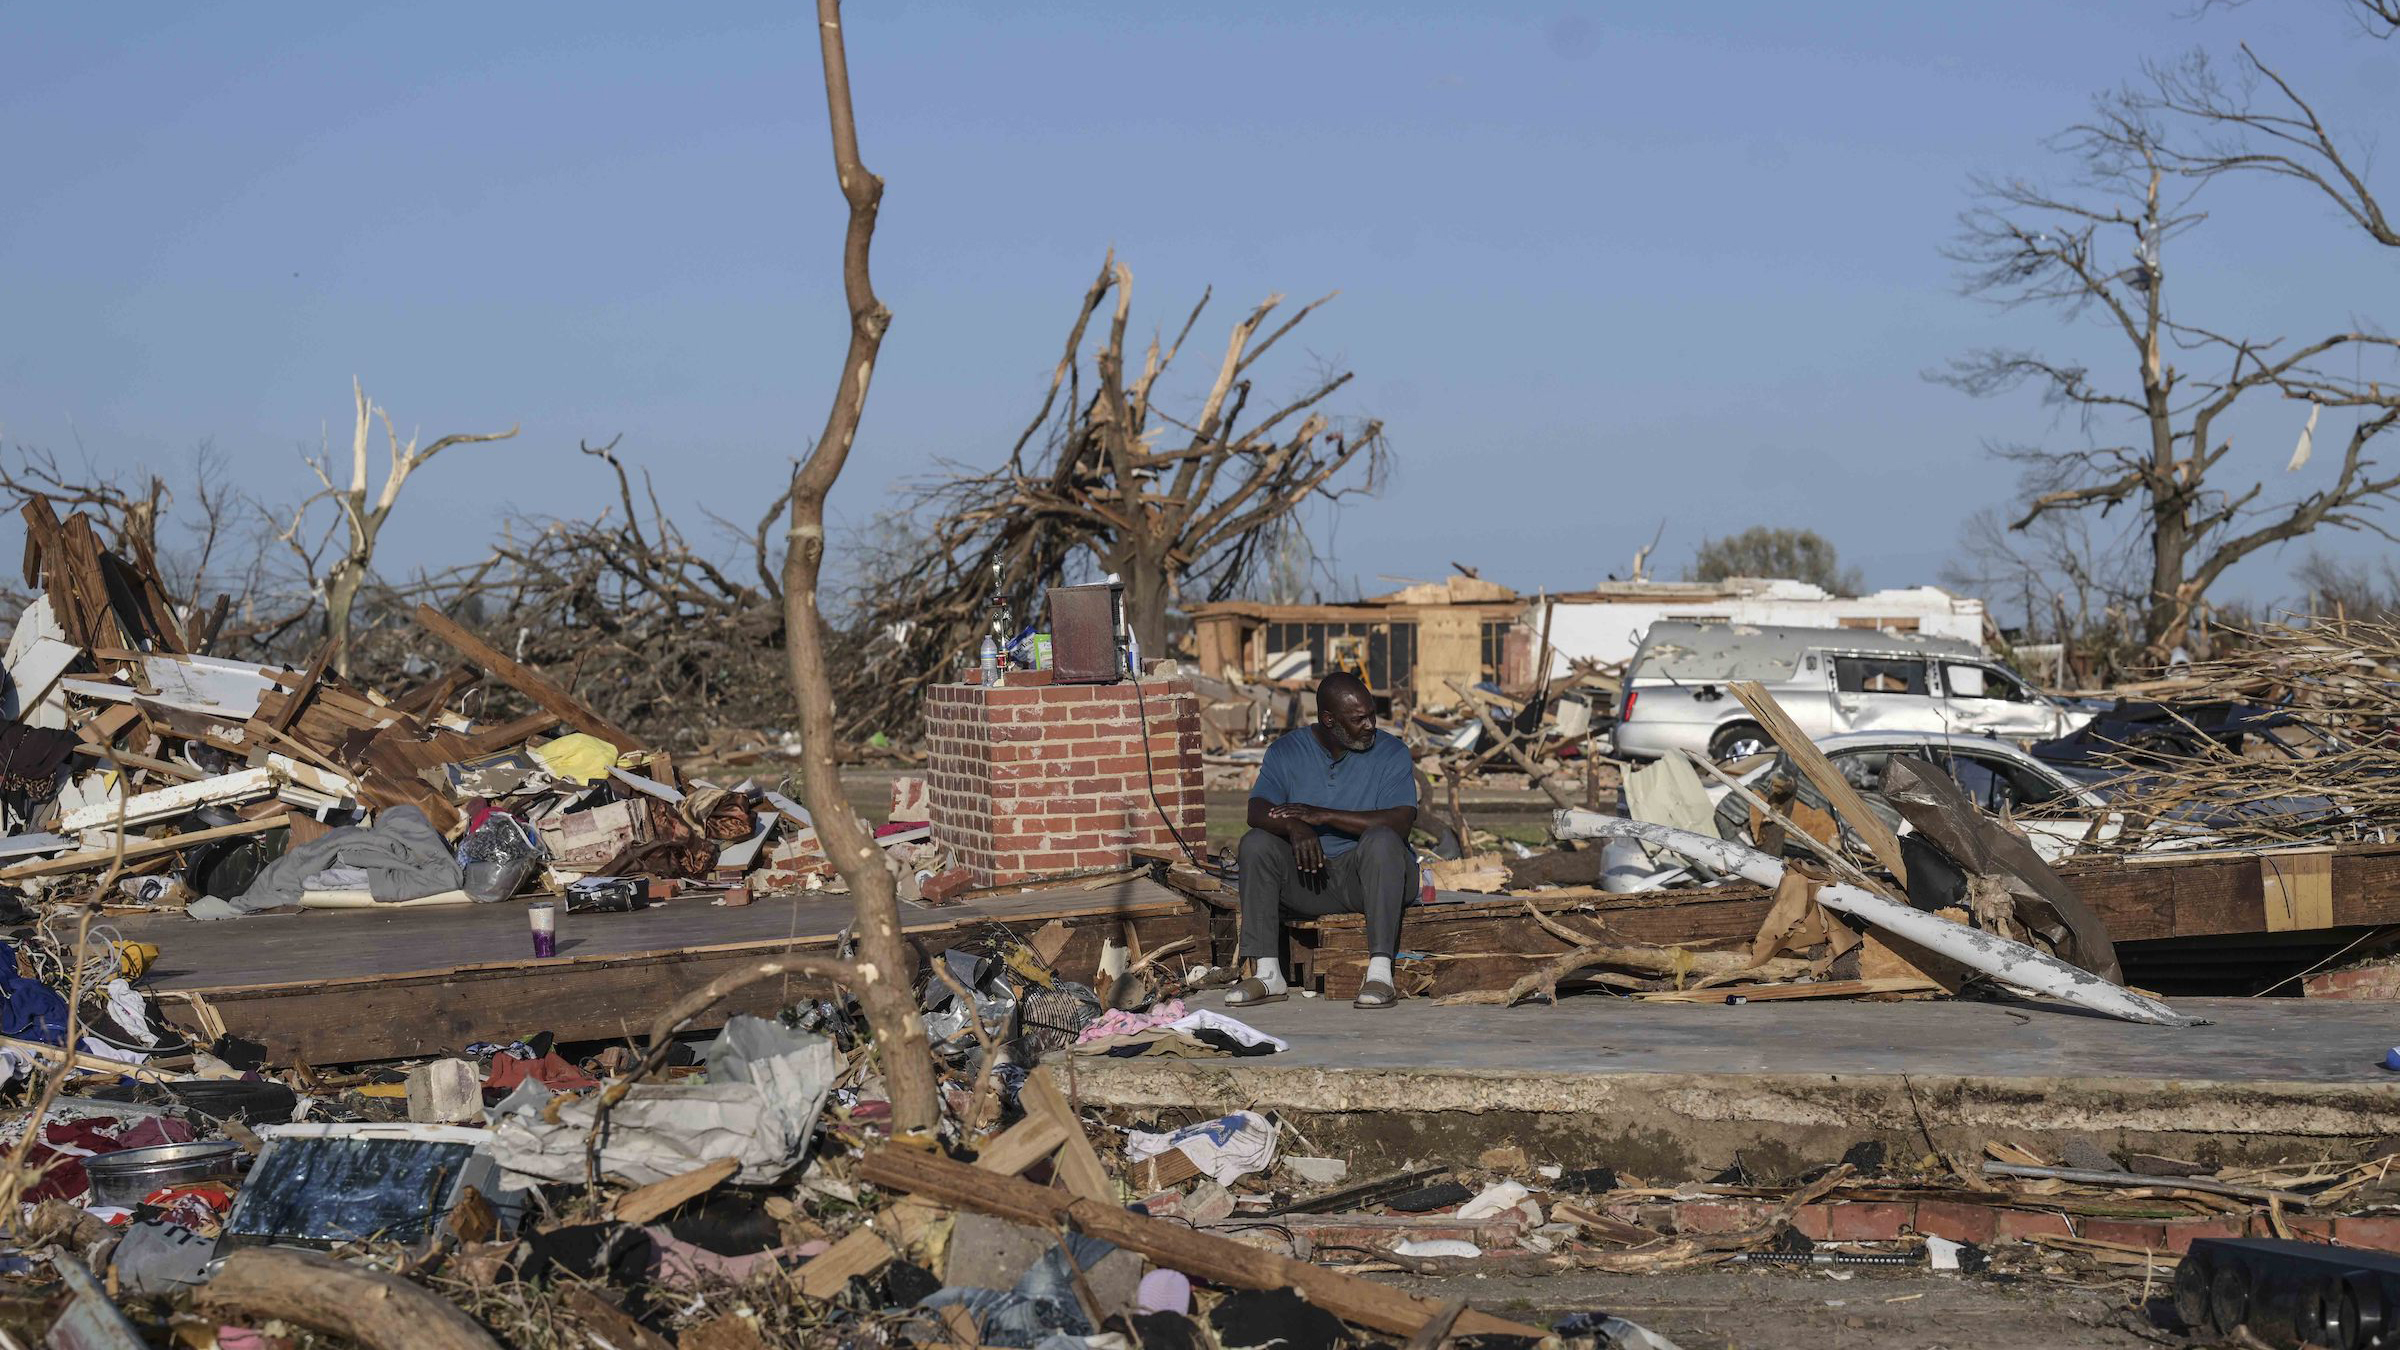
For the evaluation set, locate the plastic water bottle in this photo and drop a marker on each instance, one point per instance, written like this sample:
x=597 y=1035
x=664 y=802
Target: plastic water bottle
x=991 y=660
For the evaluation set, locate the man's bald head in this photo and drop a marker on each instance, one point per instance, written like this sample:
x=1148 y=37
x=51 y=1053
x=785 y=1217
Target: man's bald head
x=1343 y=684
x=1346 y=712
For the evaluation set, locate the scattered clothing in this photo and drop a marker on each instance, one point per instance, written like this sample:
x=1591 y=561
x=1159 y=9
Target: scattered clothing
x=29 y=1009
x=1256 y=1318
x=1120 y=1023
x=31 y=758
x=1202 y=1020
x=402 y=856
x=1168 y=1291
x=1226 y=1149
x=550 y=1071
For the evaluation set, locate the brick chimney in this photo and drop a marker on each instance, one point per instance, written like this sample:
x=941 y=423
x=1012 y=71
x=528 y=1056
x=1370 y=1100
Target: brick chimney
x=1041 y=780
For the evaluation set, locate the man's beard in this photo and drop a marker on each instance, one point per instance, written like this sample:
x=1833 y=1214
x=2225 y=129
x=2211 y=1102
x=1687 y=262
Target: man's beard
x=1360 y=746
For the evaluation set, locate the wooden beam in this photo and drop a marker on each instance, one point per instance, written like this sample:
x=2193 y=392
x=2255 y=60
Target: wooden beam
x=1820 y=772
x=525 y=680
x=1078 y=1166
x=282 y=720
x=1219 y=1260
x=180 y=772
x=136 y=848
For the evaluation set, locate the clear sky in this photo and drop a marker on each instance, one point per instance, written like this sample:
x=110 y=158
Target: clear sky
x=1602 y=266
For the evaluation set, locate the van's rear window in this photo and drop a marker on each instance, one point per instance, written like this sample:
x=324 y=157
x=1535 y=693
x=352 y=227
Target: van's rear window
x=1879 y=675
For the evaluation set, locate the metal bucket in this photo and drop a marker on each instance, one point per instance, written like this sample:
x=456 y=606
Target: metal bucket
x=124 y=1177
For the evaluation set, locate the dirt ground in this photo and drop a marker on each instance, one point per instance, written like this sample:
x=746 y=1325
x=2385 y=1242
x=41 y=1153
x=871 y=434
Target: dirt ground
x=1738 y=1309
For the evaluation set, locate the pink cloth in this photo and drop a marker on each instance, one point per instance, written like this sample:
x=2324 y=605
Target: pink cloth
x=1127 y=1023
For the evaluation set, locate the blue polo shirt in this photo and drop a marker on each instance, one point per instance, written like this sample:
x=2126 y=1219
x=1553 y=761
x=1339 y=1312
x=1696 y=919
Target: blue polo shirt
x=1297 y=770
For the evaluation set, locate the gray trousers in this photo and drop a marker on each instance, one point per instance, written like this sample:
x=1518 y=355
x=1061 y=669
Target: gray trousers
x=1378 y=878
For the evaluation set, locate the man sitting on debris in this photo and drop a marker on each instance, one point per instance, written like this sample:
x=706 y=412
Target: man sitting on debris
x=1329 y=823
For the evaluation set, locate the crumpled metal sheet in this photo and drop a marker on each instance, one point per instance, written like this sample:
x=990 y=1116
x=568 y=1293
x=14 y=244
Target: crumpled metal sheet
x=1937 y=808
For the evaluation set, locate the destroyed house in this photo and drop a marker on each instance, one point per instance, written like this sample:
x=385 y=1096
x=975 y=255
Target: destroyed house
x=1463 y=630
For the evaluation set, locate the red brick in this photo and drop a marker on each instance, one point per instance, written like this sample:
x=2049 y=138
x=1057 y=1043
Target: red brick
x=2379 y=1233
x=1814 y=1222
x=946 y=883
x=2182 y=1233
x=2019 y=1223
x=1101 y=858
x=1957 y=1222
x=1869 y=1221
x=2150 y=1235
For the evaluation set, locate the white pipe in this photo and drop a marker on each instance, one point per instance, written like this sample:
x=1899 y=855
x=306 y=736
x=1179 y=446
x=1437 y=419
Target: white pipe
x=2012 y=963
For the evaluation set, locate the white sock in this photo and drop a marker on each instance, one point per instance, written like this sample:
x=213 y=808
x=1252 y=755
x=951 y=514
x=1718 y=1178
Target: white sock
x=1379 y=968
x=1268 y=972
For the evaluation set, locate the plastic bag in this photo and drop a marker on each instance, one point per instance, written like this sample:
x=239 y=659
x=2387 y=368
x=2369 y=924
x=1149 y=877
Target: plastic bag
x=496 y=857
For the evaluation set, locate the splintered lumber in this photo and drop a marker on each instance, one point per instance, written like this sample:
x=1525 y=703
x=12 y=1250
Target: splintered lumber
x=1822 y=775
x=661 y=1197
x=135 y=848
x=872 y=1245
x=310 y=1289
x=1509 y=743
x=1771 y=993
x=1220 y=1260
x=547 y=696
x=167 y=803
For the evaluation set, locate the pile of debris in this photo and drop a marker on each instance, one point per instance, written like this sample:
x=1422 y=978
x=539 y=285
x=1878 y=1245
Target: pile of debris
x=224 y=787
x=738 y=1192
x=1546 y=738
x=2285 y=740
x=2017 y=1214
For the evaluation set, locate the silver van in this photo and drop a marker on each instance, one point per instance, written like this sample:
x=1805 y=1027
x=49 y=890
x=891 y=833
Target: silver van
x=1830 y=680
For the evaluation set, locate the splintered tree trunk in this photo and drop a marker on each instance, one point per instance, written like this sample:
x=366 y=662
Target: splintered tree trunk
x=341 y=597
x=1143 y=571
x=886 y=968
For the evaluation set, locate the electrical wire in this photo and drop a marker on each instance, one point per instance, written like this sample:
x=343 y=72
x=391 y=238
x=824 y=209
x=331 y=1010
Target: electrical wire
x=1150 y=775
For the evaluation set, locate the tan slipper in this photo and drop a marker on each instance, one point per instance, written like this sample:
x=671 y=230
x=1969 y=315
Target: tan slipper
x=1375 y=994
x=1253 y=991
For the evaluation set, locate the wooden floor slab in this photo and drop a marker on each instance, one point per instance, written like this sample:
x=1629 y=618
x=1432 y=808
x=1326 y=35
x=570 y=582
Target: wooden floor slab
x=350 y=985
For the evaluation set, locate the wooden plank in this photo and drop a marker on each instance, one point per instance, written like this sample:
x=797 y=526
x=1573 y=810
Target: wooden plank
x=549 y=697
x=661 y=1197
x=180 y=772
x=871 y=1246
x=140 y=848
x=506 y=735
x=282 y=719
x=2296 y=889
x=325 y=1014
x=1078 y=1166
x=1820 y=772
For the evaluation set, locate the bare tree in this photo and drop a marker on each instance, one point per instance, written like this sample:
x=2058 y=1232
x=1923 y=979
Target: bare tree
x=179 y=534
x=359 y=519
x=884 y=960
x=676 y=638
x=2098 y=250
x=2074 y=579
x=2258 y=122
x=1198 y=506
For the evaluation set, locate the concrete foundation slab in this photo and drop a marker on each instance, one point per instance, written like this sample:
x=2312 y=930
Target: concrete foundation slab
x=1670 y=1090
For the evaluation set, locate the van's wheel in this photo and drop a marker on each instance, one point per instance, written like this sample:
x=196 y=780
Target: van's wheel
x=1738 y=740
